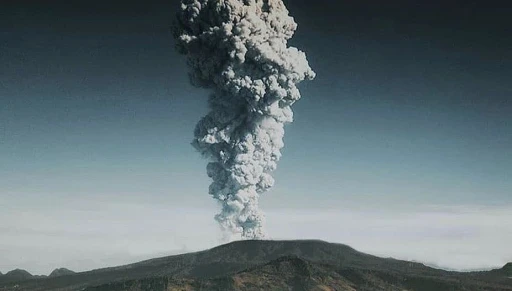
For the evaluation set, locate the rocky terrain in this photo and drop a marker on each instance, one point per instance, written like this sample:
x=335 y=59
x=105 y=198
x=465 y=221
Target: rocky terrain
x=271 y=265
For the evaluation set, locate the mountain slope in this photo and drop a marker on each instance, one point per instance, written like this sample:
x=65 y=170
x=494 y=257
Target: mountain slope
x=294 y=273
x=60 y=272
x=226 y=262
x=16 y=275
x=282 y=274
x=507 y=269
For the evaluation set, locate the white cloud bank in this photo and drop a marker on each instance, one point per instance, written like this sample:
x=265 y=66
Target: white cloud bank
x=88 y=236
x=461 y=238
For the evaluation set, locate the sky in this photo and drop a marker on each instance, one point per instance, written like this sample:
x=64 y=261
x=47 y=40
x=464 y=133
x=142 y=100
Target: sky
x=401 y=146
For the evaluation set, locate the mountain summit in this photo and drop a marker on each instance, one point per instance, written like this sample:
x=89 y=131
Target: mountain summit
x=60 y=272
x=16 y=275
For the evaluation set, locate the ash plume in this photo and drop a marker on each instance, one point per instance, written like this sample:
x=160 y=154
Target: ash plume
x=238 y=49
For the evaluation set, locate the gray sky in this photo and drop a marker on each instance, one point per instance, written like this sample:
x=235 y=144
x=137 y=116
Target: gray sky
x=407 y=123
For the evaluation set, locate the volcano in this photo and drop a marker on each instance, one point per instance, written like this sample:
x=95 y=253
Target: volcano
x=271 y=265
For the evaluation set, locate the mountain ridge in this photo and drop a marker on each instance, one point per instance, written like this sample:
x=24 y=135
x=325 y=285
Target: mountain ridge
x=16 y=275
x=294 y=273
x=61 y=272
x=226 y=263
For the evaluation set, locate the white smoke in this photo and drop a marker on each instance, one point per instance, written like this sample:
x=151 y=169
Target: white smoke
x=238 y=49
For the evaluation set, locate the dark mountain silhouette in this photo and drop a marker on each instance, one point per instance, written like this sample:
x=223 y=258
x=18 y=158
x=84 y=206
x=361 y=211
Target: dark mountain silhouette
x=16 y=275
x=255 y=265
x=60 y=272
x=507 y=269
x=294 y=273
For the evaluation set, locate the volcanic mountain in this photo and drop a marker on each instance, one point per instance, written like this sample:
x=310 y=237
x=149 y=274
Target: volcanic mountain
x=272 y=265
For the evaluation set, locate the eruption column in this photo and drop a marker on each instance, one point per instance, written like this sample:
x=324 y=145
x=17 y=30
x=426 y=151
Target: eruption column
x=238 y=49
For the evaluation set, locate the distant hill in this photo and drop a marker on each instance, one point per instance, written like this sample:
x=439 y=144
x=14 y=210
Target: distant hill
x=60 y=272
x=16 y=275
x=249 y=265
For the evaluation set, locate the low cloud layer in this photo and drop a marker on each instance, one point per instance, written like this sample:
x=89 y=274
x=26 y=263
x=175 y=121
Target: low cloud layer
x=460 y=238
x=98 y=235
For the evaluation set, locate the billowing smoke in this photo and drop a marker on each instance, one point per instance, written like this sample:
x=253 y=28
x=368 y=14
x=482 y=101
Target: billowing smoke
x=238 y=49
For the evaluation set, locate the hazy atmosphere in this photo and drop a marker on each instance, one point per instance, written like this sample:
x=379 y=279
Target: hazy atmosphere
x=400 y=147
